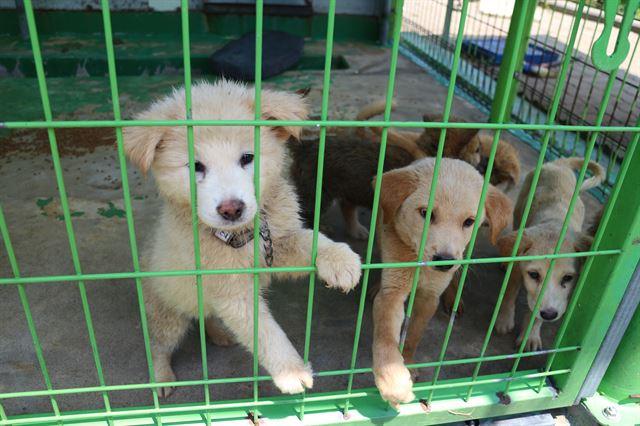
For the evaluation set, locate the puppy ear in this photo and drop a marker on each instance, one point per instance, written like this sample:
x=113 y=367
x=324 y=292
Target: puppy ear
x=284 y=106
x=498 y=209
x=141 y=143
x=506 y=242
x=396 y=186
x=304 y=92
x=429 y=117
x=456 y=138
x=582 y=242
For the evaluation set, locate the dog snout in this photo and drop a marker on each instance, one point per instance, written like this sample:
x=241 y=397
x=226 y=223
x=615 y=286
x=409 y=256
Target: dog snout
x=231 y=210
x=549 y=314
x=442 y=256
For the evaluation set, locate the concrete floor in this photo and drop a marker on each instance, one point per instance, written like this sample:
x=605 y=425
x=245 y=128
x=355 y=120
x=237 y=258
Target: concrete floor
x=29 y=200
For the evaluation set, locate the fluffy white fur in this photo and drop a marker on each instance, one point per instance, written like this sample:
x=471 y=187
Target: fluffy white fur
x=172 y=302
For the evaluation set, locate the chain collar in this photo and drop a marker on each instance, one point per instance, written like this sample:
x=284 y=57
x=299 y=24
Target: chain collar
x=242 y=238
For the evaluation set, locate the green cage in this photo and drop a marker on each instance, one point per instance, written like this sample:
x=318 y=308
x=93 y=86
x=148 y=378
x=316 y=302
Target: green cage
x=603 y=124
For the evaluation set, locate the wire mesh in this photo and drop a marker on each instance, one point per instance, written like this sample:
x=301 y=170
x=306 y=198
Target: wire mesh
x=549 y=107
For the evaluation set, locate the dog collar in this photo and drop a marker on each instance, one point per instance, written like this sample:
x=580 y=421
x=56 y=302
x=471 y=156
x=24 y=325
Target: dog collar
x=242 y=238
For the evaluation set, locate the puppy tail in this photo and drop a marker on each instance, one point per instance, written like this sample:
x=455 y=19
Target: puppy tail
x=368 y=111
x=402 y=139
x=373 y=109
x=596 y=170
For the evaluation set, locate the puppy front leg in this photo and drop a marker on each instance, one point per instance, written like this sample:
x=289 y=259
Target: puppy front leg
x=275 y=352
x=449 y=296
x=217 y=332
x=507 y=316
x=337 y=264
x=166 y=329
x=392 y=377
x=424 y=308
x=534 y=342
x=354 y=228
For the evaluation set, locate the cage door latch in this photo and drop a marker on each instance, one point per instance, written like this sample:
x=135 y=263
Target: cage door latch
x=601 y=59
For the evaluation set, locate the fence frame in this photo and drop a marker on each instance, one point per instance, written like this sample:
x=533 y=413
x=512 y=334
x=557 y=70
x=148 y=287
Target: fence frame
x=612 y=259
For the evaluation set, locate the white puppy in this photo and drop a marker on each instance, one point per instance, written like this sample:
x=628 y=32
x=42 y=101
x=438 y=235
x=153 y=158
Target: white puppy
x=226 y=209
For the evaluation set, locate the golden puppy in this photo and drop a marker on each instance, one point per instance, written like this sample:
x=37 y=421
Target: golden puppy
x=403 y=207
x=550 y=205
x=226 y=206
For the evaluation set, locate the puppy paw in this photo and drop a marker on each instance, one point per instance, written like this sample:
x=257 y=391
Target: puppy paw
x=294 y=380
x=505 y=323
x=222 y=339
x=339 y=266
x=395 y=384
x=357 y=231
x=165 y=375
x=534 y=343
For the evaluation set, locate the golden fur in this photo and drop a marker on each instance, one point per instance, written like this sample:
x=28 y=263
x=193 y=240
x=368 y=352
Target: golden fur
x=403 y=197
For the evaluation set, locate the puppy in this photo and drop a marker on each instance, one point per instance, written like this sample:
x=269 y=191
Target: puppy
x=550 y=205
x=226 y=206
x=351 y=160
x=349 y=164
x=465 y=144
x=403 y=208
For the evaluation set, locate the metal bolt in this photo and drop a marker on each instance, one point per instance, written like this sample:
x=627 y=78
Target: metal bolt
x=610 y=412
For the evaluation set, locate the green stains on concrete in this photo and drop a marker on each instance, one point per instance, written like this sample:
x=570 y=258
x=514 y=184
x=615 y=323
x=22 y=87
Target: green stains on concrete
x=111 y=211
x=51 y=208
x=42 y=202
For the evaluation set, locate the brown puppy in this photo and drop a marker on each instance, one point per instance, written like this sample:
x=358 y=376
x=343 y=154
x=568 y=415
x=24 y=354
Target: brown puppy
x=403 y=201
x=350 y=163
x=465 y=144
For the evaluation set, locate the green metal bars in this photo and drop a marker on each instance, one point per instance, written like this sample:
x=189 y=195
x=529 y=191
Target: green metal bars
x=611 y=260
x=481 y=79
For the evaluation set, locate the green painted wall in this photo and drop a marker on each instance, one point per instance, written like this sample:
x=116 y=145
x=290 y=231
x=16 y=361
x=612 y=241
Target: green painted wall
x=348 y=27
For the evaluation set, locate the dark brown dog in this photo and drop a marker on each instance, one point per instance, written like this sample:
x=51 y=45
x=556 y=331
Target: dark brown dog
x=350 y=164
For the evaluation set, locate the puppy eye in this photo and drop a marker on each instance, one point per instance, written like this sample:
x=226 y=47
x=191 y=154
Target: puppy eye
x=534 y=275
x=246 y=158
x=200 y=168
x=468 y=222
x=566 y=279
x=423 y=213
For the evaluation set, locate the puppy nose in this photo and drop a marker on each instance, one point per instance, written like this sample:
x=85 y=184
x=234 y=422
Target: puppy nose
x=443 y=256
x=231 y=209
x=549 y=314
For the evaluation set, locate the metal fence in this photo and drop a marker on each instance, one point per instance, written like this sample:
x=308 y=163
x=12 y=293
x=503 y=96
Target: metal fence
x=607 y=269
x=429 y=31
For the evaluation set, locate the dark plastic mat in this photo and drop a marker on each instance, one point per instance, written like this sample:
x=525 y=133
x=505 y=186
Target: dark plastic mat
x=236 y=60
